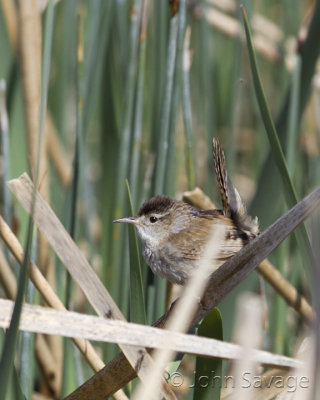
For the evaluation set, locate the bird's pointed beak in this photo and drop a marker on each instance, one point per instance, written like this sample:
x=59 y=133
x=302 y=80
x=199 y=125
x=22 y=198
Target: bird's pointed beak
x=127 y=220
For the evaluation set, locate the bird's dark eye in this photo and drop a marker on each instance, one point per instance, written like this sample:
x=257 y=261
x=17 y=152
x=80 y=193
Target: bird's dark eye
x=153 y=219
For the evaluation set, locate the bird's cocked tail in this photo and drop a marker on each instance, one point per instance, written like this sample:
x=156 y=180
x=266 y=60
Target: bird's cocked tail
x=233 y=206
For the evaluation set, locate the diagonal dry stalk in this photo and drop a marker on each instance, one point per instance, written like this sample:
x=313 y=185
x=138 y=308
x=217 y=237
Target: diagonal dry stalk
x=81 y=271
x=118 y=372
x=198 y=199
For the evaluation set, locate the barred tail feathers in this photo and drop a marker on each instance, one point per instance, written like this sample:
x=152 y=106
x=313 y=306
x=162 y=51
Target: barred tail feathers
x=233 y=206
x=221 y=173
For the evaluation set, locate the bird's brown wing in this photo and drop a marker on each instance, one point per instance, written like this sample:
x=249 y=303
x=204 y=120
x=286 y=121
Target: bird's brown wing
x=190 y=243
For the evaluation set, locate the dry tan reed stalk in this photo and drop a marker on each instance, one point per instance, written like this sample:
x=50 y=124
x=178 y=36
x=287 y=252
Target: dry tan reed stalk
x=81 y=271
x=40 y=396
x=247 y=333
x=119 y=395
x=46 y=361
x=39 y=319
x=286 y=290
x=118 y=372
x=48 y=365
x=228 y=6
x=30 y=52
x=47 y=265
x=7 y=278
x=30 y=34
x=10 y=17
x=55 y=342
x=267 y=28
x=197 y=198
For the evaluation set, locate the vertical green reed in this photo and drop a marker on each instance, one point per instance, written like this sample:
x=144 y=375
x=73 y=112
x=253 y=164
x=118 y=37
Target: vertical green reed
x=163 y=132
x=277 y=152
x=187 y=116
x=162 y=149
x=170 y=178
x=68 y=369
x=27 y=362
x=123 y=158
x=165 y=163
x=209 y=368
x=5 y=153
x=137 y=303
x=135 y=169
x=285 y=258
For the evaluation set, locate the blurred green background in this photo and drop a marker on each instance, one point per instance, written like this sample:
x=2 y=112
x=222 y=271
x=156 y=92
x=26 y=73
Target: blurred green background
x=145 y=91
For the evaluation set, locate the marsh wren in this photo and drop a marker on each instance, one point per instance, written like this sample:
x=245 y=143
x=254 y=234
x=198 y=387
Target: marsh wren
x=174 y=234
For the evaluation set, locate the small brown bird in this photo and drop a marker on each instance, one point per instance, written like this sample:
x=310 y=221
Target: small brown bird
x=174 y=234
